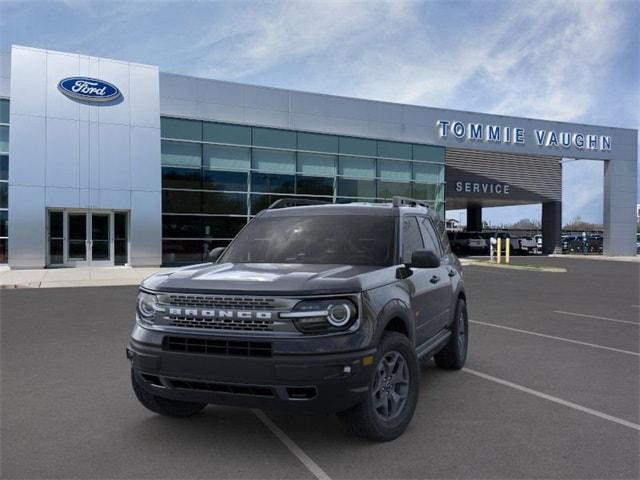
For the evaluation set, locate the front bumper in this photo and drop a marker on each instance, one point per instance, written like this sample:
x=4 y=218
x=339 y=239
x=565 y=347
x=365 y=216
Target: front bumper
x=315 y=383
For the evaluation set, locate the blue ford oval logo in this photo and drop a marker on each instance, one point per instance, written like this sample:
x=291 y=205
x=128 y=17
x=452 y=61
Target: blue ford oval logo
x=90 y=89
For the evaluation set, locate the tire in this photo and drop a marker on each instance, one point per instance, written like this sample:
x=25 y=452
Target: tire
x=454 y=353
x=396 y=372
x=164 y=406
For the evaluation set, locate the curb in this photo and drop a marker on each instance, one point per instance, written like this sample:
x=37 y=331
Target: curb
x=476 y=263
x=600 y=258
x=70 y=284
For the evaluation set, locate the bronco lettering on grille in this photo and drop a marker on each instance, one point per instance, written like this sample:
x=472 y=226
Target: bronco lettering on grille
x=214 y=313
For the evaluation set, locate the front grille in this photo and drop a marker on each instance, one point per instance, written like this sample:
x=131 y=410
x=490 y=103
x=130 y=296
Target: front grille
x=246 y=325
x=218 y=301
x=217 y=346
x=255 y=390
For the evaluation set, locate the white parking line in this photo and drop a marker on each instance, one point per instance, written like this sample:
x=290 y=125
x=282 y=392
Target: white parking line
x=291 y=445
x=557 y=400
x=596 y=317
x=562 y=339
x=482 y=269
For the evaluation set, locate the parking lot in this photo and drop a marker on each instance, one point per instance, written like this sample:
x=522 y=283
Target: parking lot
x=551 y=390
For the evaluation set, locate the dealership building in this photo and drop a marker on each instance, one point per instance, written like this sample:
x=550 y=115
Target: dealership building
x=108 y=162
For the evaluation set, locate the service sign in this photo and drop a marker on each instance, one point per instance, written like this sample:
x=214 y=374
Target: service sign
x=88 y=89
x=464 y=184
x=486 y=188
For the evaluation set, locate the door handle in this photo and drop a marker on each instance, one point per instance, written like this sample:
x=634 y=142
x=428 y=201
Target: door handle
x=452 y=273
x=435 y=279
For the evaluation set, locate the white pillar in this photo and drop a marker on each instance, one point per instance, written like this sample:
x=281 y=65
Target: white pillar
x=620 y=199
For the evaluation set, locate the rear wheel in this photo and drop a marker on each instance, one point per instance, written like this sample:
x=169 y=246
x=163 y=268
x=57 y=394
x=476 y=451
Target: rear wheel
x=454 y=353
x=164 y=406
x=393 y=392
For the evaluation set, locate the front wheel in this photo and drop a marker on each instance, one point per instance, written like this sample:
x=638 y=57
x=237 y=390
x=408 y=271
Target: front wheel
x=454 y=353
x=164 y=406
x=393 y=392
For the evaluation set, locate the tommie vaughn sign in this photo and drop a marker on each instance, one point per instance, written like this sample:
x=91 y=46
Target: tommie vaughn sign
x=89 y=89
x=478 y=132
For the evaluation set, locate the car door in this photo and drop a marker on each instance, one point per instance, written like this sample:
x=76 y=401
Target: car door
x=441 y=279
x=421 y=284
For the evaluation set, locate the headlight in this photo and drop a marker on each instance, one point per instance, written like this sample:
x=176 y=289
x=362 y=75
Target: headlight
x=147 y=305
x=340 y=314
x=322 y=316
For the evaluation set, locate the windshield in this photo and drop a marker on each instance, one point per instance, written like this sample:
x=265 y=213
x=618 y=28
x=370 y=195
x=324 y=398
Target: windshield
x=338 y=239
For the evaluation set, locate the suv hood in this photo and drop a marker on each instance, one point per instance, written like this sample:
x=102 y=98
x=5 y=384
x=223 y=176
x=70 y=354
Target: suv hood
x=271 y=279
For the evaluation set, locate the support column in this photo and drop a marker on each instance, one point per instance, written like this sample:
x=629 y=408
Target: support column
x=551 y=227
x=620 y=201
x=474 y=218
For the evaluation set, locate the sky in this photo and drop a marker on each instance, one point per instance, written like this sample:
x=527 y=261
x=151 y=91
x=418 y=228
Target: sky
x=574 y=61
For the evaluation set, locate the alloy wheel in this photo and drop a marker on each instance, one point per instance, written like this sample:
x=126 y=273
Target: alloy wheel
x=390 y=385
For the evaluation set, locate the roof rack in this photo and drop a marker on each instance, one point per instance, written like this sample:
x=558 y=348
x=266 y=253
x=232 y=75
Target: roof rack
x=295 y=202
x=408 y=202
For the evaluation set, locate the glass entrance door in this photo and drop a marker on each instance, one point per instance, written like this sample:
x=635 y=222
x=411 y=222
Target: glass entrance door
x=101 y=241
x=76 y=239
x=81 y=238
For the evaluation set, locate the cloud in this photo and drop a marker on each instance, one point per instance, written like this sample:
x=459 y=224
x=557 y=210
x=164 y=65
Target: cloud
x=582 y=190
x=555 y=67
x=542 y=59
x=282 y=33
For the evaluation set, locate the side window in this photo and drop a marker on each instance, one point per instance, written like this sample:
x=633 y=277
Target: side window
x=430 y=240
x=411 y=238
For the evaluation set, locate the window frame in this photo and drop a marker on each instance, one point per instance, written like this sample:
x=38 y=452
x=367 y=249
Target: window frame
x=402 y=235
x=427 y=228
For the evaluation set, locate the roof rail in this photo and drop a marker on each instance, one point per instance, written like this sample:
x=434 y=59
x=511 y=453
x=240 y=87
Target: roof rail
x=408 y=202
x=294 y=202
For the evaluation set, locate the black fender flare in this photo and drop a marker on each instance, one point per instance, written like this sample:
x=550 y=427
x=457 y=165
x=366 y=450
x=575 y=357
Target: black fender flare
x=457 y=295
x=396 y=309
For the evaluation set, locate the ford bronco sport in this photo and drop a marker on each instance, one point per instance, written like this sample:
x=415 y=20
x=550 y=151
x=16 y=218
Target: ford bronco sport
x=315 y=308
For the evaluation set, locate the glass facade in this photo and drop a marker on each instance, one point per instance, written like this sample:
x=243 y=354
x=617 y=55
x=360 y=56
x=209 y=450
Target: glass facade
x=216 y=176
x=4 y=180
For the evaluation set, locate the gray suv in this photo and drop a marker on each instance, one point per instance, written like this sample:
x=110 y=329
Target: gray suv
x=323 y=308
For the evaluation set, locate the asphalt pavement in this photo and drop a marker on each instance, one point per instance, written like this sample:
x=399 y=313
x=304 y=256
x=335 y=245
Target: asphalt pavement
x=551 y=390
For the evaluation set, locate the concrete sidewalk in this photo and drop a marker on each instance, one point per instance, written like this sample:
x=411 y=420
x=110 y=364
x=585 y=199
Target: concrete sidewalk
x=74 y=277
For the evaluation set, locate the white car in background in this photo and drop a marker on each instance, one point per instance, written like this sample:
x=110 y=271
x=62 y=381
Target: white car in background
x=528 y=245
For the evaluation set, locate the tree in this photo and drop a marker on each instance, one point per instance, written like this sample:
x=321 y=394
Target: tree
x=526 y=224
x=580 y=225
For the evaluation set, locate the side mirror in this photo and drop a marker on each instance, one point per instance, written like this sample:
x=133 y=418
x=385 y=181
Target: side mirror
x=424 y=259
x=215 y=253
